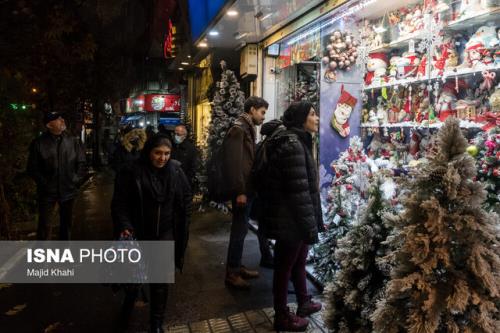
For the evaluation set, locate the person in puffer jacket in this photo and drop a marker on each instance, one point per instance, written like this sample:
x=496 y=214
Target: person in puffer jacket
x=292 y=212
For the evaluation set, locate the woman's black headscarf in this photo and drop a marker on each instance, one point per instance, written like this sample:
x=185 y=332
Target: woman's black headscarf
x=157 y=180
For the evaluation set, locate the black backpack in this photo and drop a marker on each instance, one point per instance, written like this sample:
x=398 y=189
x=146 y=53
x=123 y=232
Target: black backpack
x=260 y=165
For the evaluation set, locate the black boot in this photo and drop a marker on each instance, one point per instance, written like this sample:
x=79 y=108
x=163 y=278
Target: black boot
x=158 y=304
x=126 y=309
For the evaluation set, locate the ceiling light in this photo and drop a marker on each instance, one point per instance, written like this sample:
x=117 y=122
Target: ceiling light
x=265 y=17
x=181 y=69
x=185 y=63
x=189 y=56
x=202 y=44
x=232 y=13
x=213 y=33
x=240 y=35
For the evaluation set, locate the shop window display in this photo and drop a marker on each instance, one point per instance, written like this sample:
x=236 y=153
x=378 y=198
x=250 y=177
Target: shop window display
x=392 y=74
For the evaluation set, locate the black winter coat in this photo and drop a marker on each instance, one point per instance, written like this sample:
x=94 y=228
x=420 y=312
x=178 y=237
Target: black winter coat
x=127 y=207
x=186 y=153
x=291 y=201
x=58 y=166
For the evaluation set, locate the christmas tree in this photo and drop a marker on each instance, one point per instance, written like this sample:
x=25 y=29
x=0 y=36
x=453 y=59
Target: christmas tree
x=487 y=152
x=446 y=273
x=227 y=105
x=363 y=271
x=348 y=193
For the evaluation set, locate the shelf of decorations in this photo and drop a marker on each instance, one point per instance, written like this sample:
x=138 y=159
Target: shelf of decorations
x=474 y=18
x=440 y=72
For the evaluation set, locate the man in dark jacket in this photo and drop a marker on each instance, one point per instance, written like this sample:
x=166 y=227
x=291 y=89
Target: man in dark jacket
x=57 y=164
x=239 y=153
x=185 y=152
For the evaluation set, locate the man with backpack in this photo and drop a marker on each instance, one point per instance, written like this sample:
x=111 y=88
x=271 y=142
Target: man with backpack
x=238 y=159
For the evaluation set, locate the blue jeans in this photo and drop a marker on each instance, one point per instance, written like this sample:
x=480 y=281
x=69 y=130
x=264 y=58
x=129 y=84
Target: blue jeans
x=239 y=230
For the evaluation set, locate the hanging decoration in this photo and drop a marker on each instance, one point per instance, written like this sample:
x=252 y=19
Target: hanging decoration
x=340 y=54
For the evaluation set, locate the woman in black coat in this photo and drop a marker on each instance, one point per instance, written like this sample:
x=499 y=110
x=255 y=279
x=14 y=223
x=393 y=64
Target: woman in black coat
x=292 y=212
x=152 y=201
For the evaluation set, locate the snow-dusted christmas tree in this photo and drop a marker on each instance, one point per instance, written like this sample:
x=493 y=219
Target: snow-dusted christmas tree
x=446 y=263
x=363 y=271
x=227 y=105
x=348 y=193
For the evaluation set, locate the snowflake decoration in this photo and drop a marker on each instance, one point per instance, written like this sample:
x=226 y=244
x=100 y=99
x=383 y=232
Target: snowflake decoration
x=363 y=56
x=433 y=36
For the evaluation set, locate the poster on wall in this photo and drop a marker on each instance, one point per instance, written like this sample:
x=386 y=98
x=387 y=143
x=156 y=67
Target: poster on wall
x=340 y=101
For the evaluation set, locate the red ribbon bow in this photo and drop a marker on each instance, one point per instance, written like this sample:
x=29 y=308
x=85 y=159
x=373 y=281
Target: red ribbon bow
x=489 y=78
x=491 y=119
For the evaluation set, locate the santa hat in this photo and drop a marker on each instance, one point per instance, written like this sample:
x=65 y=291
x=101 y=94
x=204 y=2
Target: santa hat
x=380 y=55
x=476 y=46
x=346 y=98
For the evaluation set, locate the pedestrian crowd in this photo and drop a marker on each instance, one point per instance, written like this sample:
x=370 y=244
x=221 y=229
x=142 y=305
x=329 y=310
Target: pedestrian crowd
x=274 y=182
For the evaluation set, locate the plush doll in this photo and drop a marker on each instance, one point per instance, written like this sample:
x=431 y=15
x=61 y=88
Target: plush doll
x=470 y=7
x=376 y=68
x=393 y=68
x=476 y=55
x=342 y=113
x=413 y=60
x=486 y=35
x=382 y=116
x=446 y=104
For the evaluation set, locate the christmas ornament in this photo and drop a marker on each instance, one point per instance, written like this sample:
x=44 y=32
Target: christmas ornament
x=340 y=54
x=473 y=150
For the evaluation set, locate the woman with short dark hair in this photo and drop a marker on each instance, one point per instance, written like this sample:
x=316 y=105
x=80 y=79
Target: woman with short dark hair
x=152 y=201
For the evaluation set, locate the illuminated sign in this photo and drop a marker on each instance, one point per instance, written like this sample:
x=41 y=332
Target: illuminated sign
x=168 y=42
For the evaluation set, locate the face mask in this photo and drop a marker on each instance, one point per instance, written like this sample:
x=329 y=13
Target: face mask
x=178 y=139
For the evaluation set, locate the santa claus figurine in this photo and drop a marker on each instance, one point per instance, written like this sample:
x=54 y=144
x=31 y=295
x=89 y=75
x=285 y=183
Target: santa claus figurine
x=342 y=113
x=447 y=102
x=376 y=68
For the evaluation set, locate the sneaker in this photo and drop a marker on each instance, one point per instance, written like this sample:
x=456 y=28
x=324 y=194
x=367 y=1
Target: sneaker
x=235 y=280
x=289 y=322
x=248 y=274
x=308 y=308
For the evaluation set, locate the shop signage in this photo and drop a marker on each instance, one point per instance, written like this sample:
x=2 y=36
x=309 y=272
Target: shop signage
x=168 y=42
x=162 y=103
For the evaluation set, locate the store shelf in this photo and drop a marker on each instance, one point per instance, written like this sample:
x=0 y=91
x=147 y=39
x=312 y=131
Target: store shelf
x=446 y=75
x=465 y=72
x=395 y=83
x=399 y=43
x=478 y=19
x=463 y=124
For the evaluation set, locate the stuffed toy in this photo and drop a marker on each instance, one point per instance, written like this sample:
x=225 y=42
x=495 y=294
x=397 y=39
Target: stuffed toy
x=413 y=60
x=486 y=35
x=393 y=68
x=342 y=113
x=446 y=104
x=376 y=68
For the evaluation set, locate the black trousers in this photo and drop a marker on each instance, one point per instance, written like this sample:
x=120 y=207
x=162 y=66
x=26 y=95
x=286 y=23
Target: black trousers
x=45 y=211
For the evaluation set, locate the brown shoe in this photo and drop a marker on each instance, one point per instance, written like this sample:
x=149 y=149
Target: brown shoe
x=236 y=281
x=248 y=274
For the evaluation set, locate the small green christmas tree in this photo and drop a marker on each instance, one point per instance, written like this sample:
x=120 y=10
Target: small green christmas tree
x=446 y=275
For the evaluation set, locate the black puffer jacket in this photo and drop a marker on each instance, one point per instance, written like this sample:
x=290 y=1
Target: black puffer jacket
x=127 y=207
x=58 y=166
x=292 y=209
